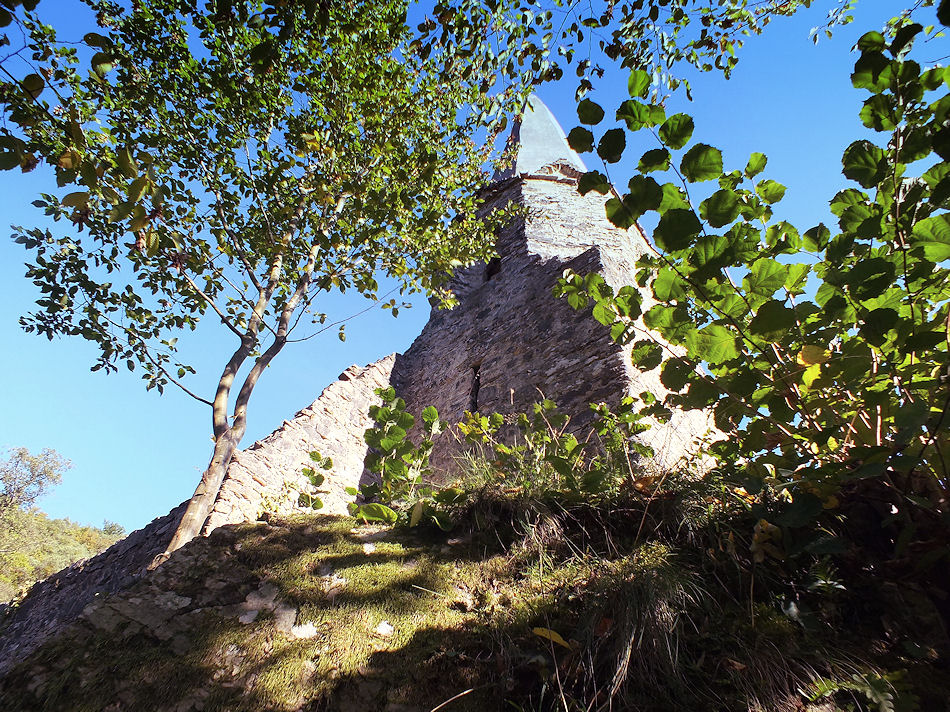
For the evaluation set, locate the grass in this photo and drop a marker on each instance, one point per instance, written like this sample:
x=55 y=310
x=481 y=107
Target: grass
x=529 y=604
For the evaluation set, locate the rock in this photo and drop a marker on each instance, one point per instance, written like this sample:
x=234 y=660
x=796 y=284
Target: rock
x=285 y=616
x=304 y=630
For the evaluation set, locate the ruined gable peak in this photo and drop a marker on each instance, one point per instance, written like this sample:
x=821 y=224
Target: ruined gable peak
x=538 y=146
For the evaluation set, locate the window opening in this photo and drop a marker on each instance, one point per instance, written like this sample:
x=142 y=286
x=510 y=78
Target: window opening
x=476 y=385
x=492 y=268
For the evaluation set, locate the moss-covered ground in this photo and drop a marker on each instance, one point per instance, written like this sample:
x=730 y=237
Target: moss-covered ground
x=521 y=607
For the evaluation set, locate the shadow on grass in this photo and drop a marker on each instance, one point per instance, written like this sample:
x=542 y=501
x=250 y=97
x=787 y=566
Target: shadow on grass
x=355 y=593
x=401 y=621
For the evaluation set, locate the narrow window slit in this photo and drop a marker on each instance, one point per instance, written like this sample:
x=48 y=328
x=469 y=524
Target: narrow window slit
x=476 y=384
x=492 y=268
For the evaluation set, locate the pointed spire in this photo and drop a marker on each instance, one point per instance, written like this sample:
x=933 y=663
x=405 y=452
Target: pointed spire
x=538 y=142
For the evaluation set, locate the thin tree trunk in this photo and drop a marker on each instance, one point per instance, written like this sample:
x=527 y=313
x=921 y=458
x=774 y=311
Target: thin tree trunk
x=201 y=503
x=227 y=437
x=226 y=440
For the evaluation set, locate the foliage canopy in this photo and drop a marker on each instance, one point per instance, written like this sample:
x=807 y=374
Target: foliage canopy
x=237 y=160
x=823 y=355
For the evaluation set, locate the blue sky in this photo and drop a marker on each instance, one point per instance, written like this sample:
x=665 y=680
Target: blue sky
x=137 y=454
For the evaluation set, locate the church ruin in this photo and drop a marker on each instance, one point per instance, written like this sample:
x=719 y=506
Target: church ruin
x=507 y=344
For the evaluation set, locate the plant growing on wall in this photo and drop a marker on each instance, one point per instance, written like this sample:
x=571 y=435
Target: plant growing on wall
x=235 y=160
x=402 y=491
x=823 y=353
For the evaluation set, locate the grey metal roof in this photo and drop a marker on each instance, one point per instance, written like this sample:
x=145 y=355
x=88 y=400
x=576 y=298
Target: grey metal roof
x=538 y=141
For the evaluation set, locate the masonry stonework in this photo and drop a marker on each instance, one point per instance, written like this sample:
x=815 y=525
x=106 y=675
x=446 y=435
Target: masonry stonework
x=268 y=474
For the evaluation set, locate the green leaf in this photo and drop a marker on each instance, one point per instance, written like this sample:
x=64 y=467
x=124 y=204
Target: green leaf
x=677 y=130
x=783 y=236
x=612 y=145
x=76 y=200
x=672 y=322
x=941 y=193
x=720 y=208
x=102 y=63
x=125 y=163
x=935 y=251
x=137 y=189
x=932 y=237
x=33 y=85
x=430 y=415
x=765 y=277
x=904 y=37
x=581 y=139
x=730 y=180
x=96 y=40
x=772 y=320
x=676 y=373
x=933 y=229
x=713 y=344
x=676 y=230
x=638 y=115
x=701 y=163
x=657 y=159
x=868 y=278
x=815 y=239
x=593 y=180
x=797 y=277
x=756 y=164
x=646 y=355
x=619 y=214
x=872 y=71
x=415 y=515
x=645 y=195
x=589 y=112
x=603 y=313
x=673 y=198
x=871 y=42
x=880 y=113
x=845 y=199
x=770 y=191
x=638 y=84
x=668 y=286
x=865 y=163
x=876 y=324
x=709 y=254
x=375 y=512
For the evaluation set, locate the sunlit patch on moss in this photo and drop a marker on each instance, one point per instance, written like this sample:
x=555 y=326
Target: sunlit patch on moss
x=551 y=607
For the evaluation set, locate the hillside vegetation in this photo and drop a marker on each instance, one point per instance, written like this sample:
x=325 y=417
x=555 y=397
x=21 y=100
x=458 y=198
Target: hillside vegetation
x=33 y=546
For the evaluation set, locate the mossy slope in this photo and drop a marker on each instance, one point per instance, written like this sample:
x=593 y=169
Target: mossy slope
x=545 y=609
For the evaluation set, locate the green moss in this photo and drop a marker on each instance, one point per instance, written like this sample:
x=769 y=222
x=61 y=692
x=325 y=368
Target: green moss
x=407 y=620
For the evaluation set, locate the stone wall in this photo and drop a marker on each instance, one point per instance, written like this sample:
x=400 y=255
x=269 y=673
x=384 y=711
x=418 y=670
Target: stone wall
x=510 y=342
x=334 y=425
x=268 y=474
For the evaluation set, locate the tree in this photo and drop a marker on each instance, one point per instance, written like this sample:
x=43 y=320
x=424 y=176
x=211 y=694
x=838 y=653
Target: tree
x=823 y=353
x=237 y=160
x=26 y=477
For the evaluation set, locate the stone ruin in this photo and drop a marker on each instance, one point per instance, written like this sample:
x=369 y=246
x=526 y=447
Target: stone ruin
x=506 y=345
